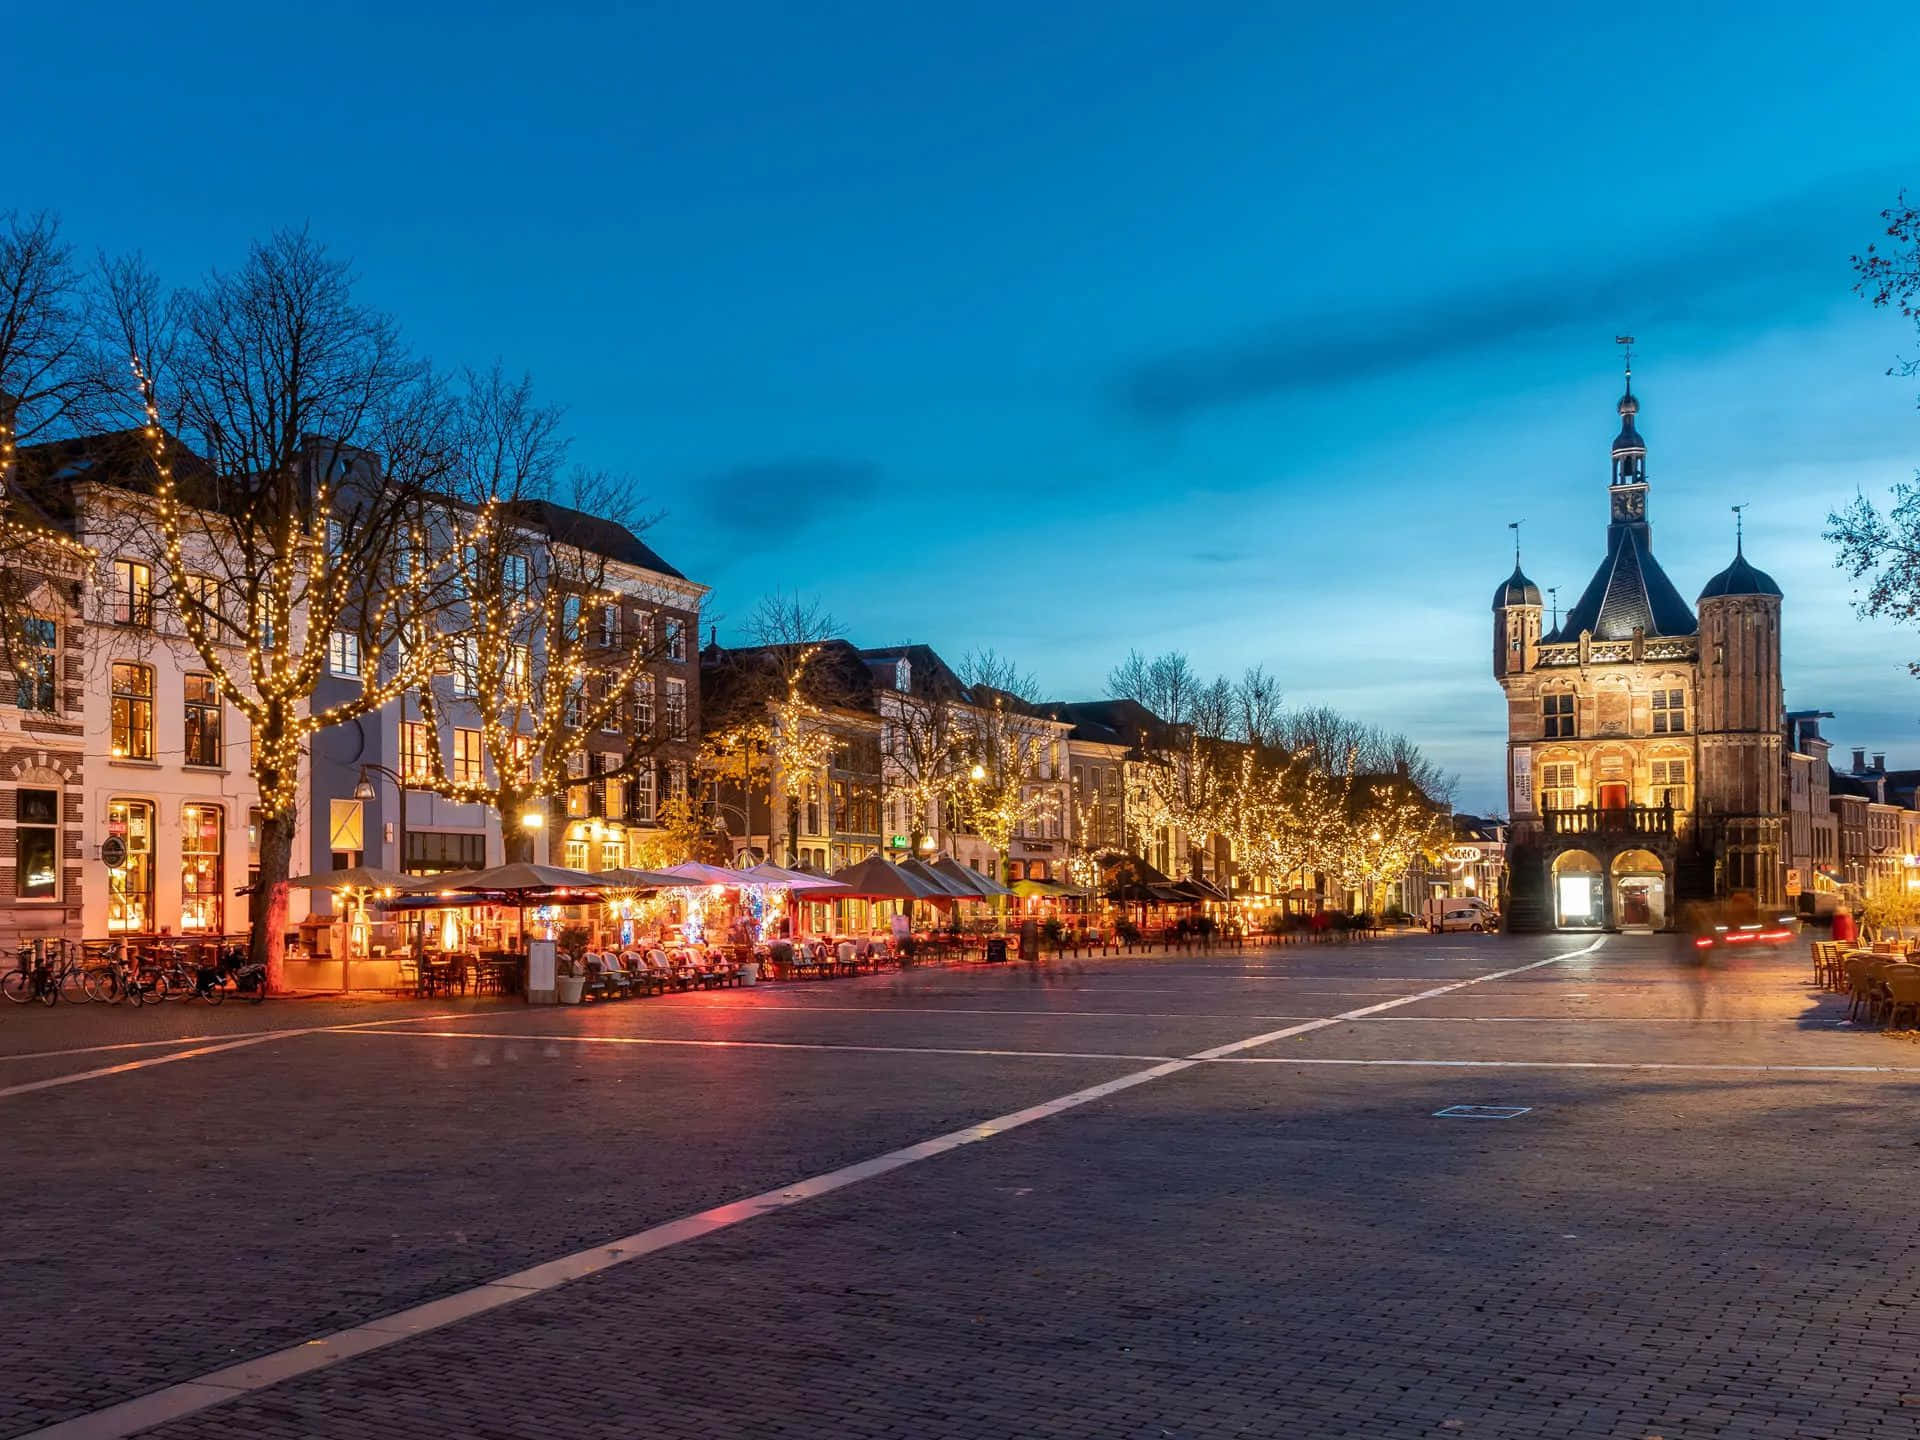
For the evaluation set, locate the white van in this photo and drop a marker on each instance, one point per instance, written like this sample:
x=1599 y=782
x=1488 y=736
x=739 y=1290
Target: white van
x=1460 y=912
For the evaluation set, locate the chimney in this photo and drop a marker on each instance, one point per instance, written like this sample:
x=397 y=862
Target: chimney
x=1860 y=760
x=1879 y=763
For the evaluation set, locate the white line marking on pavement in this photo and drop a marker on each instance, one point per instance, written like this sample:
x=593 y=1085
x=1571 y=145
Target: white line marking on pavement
x=1755 y=1066
x=188 y=1397
x=240 y=1042
x=509 y=1036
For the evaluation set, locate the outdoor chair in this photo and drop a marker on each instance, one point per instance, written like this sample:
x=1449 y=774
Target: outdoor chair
x=643 y=978
x=1902 y=989
x=1865 y=974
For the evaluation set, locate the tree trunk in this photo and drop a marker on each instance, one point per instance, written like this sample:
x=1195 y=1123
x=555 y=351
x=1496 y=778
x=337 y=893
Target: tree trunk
x=267 y=906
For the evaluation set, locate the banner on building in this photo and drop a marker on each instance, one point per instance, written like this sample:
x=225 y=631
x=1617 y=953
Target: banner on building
x=1522 y=780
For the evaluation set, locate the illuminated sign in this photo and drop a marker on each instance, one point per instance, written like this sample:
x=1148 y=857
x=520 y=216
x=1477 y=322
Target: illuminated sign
x=1463 y=855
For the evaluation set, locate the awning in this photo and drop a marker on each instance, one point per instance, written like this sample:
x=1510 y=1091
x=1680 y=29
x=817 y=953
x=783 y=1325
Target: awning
x=1047 y=890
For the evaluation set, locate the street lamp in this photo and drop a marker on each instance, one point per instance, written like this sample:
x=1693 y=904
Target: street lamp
x=365 y=791
x=978 y=773
x=532 y=820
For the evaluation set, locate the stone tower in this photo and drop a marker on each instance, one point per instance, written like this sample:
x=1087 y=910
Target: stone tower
x=1741 y=723
x=1516 y=624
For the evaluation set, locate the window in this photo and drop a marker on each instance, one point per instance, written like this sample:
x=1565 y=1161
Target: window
x=202 y=830
x=132 y=711
x=36 y=845
x=130 y=887
x=346 y=832
x=579 y=800
x=519 y=670
x=811 y=816
x=33 y=682
x=513 y=577
x=643 y=630
x=613 y=792
x=253 y=845
x=132 y=593
x=434 y=852
x=573 y=705
x=336 y=540
x=643 y=706
x=343 y=653
x=202 y=732
x=677 y=780
x=610 y=719
x=576 y=854
x=613 y=852
x=609 y=626
x=676 y=641
x=1557 y=790
x=1036 y=869
x=1669 y=712
x=1670 y=783
x=643 y=794
x=468 y=766
x=570 y=617
x=1557 y=711
x=676 y=709
x=416 y=752
x=466 y=665
x=200 y=594
x=520 y=757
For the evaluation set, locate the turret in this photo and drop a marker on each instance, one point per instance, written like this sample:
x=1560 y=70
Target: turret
x=1740 y=722
x=1516 y=624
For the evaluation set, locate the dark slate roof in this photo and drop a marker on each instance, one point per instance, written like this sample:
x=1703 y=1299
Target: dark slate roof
x=1516 y=589
x=593 y=532
x=931 y=677
x=1629 y=591
x=1839 y=784
x=1740 y=578
x=1109 y=722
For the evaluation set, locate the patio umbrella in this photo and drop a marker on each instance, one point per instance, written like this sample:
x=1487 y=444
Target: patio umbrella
x=874 y=879
x=920 y=870
x=984 y=886
x=798 y=881
x=631 y=879
x=357 y=877
x=692 y=872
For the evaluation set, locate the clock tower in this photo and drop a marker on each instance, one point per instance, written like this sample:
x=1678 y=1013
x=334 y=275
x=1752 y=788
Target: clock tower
x=1629 y=489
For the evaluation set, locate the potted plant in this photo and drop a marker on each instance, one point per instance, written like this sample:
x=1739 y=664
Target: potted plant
x=570 y=977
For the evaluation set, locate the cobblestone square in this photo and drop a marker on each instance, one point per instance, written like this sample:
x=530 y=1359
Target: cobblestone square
x=1138 y=1197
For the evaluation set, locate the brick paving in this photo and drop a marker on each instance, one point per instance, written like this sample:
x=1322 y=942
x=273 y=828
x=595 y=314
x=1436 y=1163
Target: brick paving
x=1260 y=1250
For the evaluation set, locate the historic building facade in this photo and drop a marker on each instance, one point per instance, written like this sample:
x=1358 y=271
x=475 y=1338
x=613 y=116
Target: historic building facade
x=1644 y=741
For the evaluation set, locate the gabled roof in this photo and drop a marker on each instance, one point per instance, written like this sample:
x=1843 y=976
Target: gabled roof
x=930 y=677
x=1109 y=722
x=597 y=534
x=1629 y=591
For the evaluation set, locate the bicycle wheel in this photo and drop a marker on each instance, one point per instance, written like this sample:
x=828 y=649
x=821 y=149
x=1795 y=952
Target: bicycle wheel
x=214 y=993
x=17 y=987
x=48 y=991
x=136 y=994
x=73 y=986
x=157 y=989
x=103 y=985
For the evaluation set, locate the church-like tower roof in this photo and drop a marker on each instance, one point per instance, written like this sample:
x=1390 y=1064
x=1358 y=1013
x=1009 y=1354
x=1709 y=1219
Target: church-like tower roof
x=1629 y=591
x=1516 y=589
x=1740 y=578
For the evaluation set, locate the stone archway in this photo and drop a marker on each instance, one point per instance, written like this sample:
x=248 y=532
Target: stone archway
x=1579 y=891
x=1640 y=894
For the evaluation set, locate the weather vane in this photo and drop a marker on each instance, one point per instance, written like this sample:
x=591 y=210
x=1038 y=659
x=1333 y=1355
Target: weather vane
x=1514 y=526
x=1625 y=342
x=1739 y=525
x=1553 y=594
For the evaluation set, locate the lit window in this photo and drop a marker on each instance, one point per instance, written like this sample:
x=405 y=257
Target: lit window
x=343 y=653
x=36 y=840
x=1557 y=712
x=468 y=766
x=130 y=886
x=416 y=752
x=202 y=833
x=200 y=594
x=1669 y=712
x=202 y=733
x=132 y=711
x=573 y=705
x=132 y=593
x=519 y=670
x=643 y=794
x=33 y=682
x=1670 y=783
x=1557 y=790
x=513 y=577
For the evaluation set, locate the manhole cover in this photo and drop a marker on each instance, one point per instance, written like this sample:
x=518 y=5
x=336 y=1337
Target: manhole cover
x=1481 y=1112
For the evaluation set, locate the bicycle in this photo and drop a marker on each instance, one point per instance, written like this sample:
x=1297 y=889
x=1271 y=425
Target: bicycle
x=49 y=976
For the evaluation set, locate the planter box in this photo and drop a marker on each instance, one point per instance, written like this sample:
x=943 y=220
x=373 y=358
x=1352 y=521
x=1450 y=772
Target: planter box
x=570 y=988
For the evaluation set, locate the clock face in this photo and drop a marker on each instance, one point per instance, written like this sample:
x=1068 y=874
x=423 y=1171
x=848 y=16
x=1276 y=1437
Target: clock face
x=1630 y=506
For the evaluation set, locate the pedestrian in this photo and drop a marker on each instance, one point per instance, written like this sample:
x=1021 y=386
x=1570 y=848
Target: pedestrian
x=1843 y=931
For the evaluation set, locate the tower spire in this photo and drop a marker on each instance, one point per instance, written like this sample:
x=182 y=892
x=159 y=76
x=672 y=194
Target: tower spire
x=1514 y=526
x=1739 y=529
x=1625 y=342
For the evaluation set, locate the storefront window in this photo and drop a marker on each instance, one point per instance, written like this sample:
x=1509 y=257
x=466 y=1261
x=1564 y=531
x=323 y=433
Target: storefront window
x=130 y=885
x=36 y=870
x=202 y=830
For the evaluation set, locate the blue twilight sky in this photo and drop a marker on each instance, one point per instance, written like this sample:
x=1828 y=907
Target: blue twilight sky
x=1064 y=328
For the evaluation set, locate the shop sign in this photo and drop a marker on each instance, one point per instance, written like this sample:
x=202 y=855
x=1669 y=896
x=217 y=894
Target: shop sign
x=113 y=852
x=1464 y=855
x=896 y=842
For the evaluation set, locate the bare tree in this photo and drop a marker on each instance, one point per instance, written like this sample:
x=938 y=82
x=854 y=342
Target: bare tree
x=1879 y=547
x=1167 y=684
x=551 y=638
x=294 y=440
x=53 y=383
x=1260 y=705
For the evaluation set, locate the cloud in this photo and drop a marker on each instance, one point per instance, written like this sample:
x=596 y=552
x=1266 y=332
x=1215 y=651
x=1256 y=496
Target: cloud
x=795 y=493
x=1741 y=273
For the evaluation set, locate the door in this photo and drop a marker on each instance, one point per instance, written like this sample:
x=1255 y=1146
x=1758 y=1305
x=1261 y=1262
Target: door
x=1613 y=797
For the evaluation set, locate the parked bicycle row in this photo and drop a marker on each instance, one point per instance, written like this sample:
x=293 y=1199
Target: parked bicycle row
x=56 y=971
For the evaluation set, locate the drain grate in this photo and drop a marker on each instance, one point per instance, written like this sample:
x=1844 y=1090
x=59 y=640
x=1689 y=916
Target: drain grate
x=1481 y=1112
